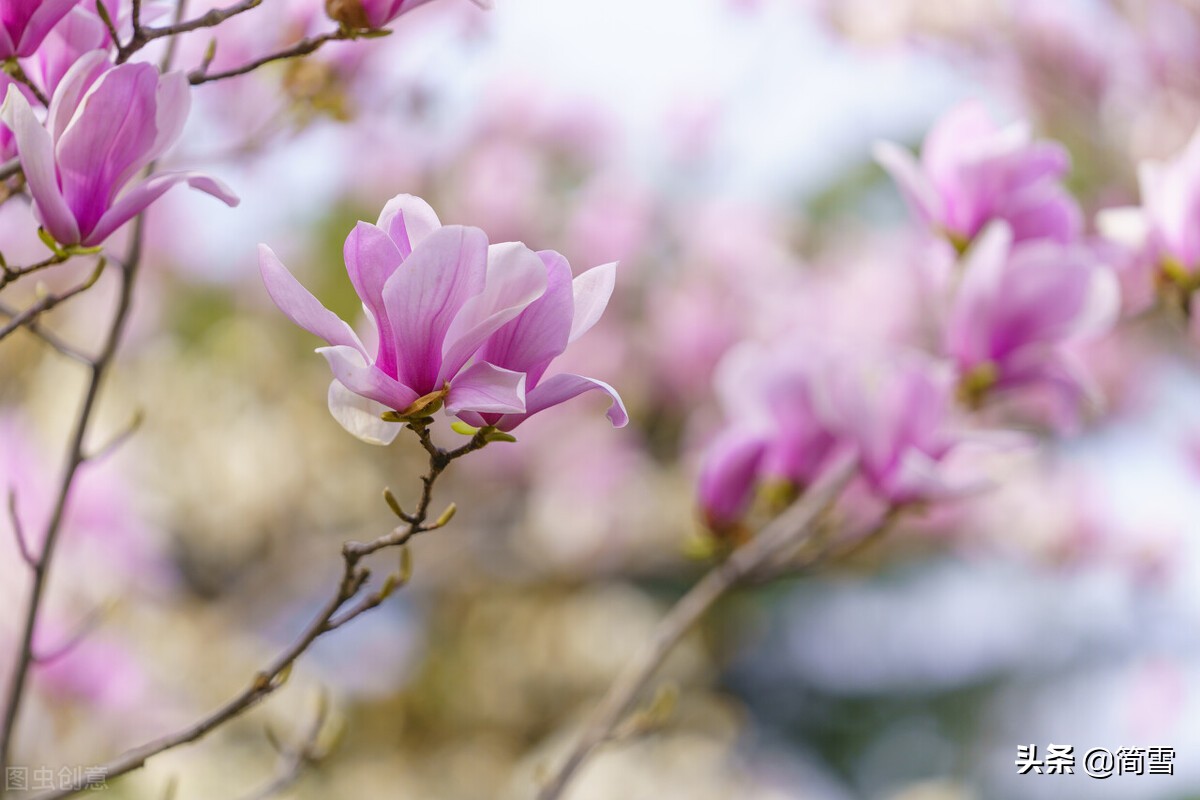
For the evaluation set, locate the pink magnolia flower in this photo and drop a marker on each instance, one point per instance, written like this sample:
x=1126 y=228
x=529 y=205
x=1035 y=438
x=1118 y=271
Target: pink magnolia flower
x=972 y=172
x=105 y=125
x=778 y=433
x=375 y=13
x=539 y=334
x=25 y=23
x=434 y=295
x=795 y=410
x=896 y=411
x=1162 y=236
x=1020 y=308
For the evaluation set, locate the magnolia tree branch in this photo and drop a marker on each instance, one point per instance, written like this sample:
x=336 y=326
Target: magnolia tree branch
x=295 y=759
x=35 y=327
x=142 y=36
x=302 y=48
x=30 y=315
x=76 y=457
x=783 y=532
x=335 y=613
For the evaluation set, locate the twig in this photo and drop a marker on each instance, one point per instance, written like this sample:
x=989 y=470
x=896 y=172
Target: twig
x=75 y=459
x=18 y=531
x=301 y=48
x=48 y=302
x=115 y=443
x=36 y=328
x=13 y=68
x=143 y=36
x=9 y=274
x=85 y=629
x=299 y=757
x=772 y=539
x=354 y=577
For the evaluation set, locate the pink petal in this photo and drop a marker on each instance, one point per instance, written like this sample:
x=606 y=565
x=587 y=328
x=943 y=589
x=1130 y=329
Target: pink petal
x=728 y=476
x=73 y=87
x=515 y=278
x=360 y=416
x=918 y=192
x=106 y=141
x=371 y=258
x=350 y=366
x=37 y=160
x=425 y=296
x=539 y=333
x=561 y=388
x=592 y=291
x=298 y=304
x=137 y=199
x=487 y=389
x=45 y=17
x=408 y=220
x=970 y=318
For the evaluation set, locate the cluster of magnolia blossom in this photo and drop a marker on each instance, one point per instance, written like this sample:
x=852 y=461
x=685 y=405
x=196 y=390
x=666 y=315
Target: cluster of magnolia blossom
x=1024 y=287
x=104 y=122
x=85 y=122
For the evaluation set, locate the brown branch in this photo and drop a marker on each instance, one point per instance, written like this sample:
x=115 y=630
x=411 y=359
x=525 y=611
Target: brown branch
x=85 y=629
x=143 y=36
x=780 y=534
x=9 y=274
x=30 y=314
x=35 y=327
x=18 y=530
x=298 y=758
x=75 y=459
x=353 y=578
x=302 y=48
x=13 y=68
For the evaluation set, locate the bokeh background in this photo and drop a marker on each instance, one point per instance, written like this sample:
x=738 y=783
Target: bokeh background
x=720 y=150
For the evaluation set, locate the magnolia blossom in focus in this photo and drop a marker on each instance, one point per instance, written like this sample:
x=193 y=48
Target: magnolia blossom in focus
x=972 y=172
x=540 y=333
x=1020 y=308
x=25 y=23
x=434 y=294
x=371 y=14
x=105 y=125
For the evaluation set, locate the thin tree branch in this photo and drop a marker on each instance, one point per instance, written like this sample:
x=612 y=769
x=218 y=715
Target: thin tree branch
x=18 y=530
x=115 y=443
x=353 y=578
x=302 y=48
x=13 y=68
x=75 y=459
x=36 y=328
x=771 y=540
x=143 y=36
x=9 y=274
x=299 y=757
x=48 y=302
x=85 y=629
